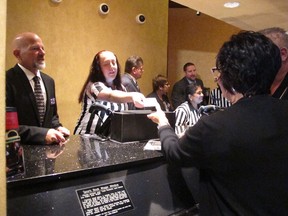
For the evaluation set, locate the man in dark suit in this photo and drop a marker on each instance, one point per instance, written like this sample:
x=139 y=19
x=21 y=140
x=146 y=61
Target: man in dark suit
x=178 y=92
x=28 y=48
x=133 y=72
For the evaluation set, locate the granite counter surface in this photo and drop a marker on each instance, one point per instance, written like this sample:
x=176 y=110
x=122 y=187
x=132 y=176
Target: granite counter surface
x=81 y=155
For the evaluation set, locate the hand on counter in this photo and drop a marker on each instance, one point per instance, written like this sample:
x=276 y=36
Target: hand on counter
x=54 y=136
x=64 y=131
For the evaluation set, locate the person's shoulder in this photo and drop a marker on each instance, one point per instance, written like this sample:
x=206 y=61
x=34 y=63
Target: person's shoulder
x=180 y=82
x=125 y=78
x=200 y=81
x=11 y=71
x=183 y=105
x=125 y=75
x=152 y=94
x=46 y=77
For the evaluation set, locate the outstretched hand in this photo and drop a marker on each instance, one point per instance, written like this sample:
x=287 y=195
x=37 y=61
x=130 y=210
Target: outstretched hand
x=138 y=99
x=159 y=116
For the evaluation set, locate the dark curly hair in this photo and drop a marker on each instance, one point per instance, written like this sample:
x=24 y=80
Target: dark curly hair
x=96 y=75
x=248 y=63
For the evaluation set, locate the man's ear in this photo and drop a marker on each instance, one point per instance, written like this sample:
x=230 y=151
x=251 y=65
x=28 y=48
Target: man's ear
x=133 y=70
x=284 y=54
x=16 y=53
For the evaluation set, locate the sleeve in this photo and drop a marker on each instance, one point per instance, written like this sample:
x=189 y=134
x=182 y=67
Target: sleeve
x=186 y=151
x=55 y=121
x=32 y=134
x=97 y=87
x=181 y=120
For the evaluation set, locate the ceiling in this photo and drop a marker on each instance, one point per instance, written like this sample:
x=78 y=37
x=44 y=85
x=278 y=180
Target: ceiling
x=251 y=15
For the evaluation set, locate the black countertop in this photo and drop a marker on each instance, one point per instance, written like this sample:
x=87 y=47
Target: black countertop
x=81 y=155
x=61 y=180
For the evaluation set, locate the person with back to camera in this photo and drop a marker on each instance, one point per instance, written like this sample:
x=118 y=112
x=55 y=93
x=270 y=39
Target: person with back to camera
x=178 y=95
x=242 y=151
x=37 y=124
x=103 y=86
x=279 y=36
x=187 y=113
x=160 y=90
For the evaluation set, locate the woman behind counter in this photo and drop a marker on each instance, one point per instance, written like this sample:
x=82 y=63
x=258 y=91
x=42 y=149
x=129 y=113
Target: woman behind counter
x=241 y=152
x=160 y=89
x=103 y=86
x=187 y=113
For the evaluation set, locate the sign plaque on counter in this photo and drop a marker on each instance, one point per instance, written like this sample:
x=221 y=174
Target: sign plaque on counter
x=108 y=199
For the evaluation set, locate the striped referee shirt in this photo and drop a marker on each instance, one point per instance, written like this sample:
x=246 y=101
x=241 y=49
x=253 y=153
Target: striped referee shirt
x=89 y=123
x=186 y=116
x=217 y=99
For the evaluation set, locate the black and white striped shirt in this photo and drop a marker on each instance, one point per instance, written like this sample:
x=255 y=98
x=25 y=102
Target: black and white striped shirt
x=89 y=123
x=217 y=99
x=186 y=116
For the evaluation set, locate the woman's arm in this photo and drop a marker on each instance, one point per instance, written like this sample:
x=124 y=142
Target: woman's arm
x=118 y=96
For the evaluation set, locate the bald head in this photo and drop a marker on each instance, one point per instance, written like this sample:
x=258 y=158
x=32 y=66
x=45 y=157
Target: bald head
x=278 y=35
x=28 y=48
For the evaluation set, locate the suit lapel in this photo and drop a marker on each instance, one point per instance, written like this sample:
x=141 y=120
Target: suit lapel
x=48 y=95
x=27 y=88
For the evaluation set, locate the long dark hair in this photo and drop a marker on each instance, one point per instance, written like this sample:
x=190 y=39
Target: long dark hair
x=96 y=75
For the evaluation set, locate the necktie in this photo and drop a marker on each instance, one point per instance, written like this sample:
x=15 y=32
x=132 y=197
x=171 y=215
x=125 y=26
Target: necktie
x=39 y=98
x=137 y=86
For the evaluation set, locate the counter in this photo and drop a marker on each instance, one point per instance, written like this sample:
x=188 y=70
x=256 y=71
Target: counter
x=88 y=176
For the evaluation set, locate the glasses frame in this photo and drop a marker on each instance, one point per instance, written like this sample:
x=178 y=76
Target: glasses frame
x=215 y=73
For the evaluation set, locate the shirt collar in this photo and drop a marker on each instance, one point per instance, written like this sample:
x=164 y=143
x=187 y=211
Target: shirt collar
x=28 y=73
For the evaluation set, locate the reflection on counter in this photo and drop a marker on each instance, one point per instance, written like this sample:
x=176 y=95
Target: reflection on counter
x=14 y=154
x=79 y=154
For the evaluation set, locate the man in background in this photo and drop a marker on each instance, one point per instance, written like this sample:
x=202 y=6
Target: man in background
x=33 y=93
x=279 y=36
x=134 y=68
x=178 y=93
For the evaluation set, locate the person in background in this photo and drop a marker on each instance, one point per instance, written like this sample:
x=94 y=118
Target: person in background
x=178 y=95
x=103 y=87
x=134 y=68
x=241 y=152
x=37 y=125
x=187 y=113
x=279 y=36
x=160 y=90
x=216 y=97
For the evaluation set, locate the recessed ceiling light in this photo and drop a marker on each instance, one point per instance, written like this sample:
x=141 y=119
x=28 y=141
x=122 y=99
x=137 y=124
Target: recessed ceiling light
x=231 y=4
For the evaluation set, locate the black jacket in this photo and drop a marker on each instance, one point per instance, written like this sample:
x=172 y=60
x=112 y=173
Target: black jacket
x=19 y=94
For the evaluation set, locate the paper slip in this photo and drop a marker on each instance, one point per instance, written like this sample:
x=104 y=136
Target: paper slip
x=153 y=145
x=150 y=102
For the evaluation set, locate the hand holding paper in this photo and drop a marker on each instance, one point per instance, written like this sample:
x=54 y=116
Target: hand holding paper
x=159 y=116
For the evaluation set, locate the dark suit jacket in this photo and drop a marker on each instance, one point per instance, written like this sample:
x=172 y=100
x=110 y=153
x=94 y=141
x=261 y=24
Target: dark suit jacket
x=178 y=93
x=19 y=94
x=129 y=83
x=130 y=86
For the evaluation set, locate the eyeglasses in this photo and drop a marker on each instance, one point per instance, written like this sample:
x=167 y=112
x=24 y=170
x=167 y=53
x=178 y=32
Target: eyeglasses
x=199 y=92
x=216 y=73
x=140 y=68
